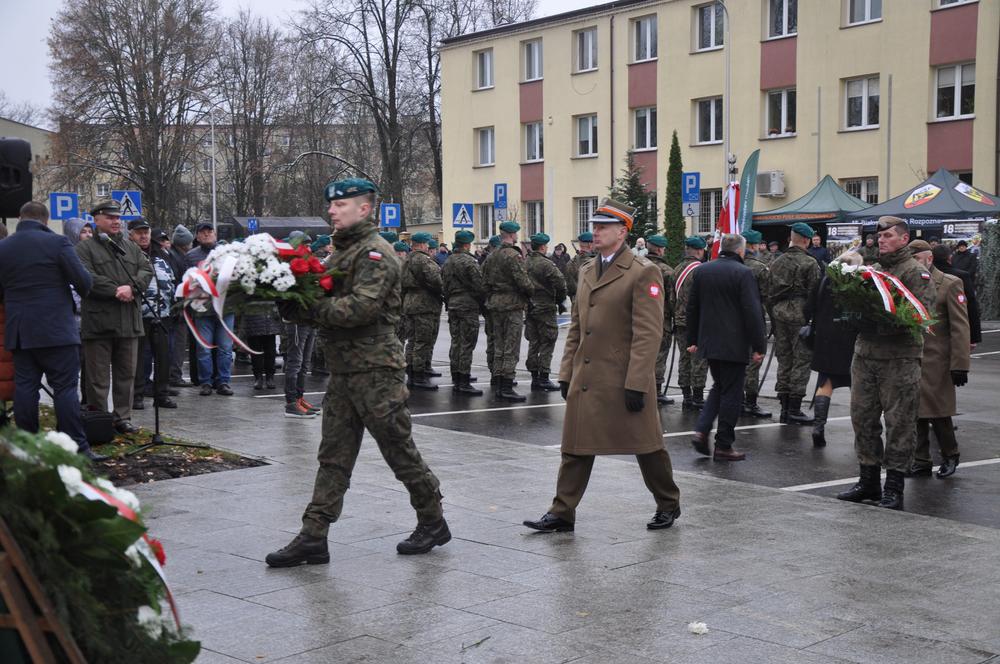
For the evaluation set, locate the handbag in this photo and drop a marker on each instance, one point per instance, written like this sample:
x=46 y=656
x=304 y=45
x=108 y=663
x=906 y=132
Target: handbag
x=98 y=425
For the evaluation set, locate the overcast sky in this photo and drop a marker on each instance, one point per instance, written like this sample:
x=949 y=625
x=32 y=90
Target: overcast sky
x=25 y=74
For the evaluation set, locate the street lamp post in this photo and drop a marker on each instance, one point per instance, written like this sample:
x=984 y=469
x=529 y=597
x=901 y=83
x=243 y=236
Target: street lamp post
x=726 y=128
x=211 y=124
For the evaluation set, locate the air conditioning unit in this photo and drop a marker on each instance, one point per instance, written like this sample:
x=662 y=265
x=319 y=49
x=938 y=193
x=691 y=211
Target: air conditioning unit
x=771 y=184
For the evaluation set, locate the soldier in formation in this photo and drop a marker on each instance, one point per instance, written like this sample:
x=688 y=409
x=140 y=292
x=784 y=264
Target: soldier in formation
x=540 y=326
x=761 y=274
x=656 y=246
x=584 y=253
x=692 y=371
x=869 y=251
x=465 y=295
x=422 y=298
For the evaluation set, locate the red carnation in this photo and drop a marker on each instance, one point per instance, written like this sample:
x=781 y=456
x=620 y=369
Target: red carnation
x=327 y=283
x=157 y=548
x=315 y=265
x=299 y=266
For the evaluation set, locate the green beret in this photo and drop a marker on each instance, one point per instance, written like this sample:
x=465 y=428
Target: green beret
x=421 y=237
x=464 y=237
x=753 y=237
x=401 y=246
x=495 y=241
x=433 y=244
x=657 y=241
x=389 y=237
x=510 y=227
x=803 y=229
x=349 y=188
x=585 y=237
x=694 y=242
x=538 y=239
x=320 y=242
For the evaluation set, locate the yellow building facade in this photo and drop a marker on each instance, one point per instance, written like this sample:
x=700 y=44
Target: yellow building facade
x=876 y=93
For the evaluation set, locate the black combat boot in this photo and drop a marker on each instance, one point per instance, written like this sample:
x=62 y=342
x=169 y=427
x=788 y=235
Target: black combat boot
x=269 y=381
x=425 y=537
x=507 y=393
x=697 y=399
x=534 y=382
x=258 y=381
x=751 y=408
x=783 y=400
x=420 y=381
x=544 y=384
x=661 y=396
x=795 y=414
x=892 y=494
x=686 y=399
x=869 y=486
x=821 y=407
x=303 y=550
x=429 y=371
x=461 y=385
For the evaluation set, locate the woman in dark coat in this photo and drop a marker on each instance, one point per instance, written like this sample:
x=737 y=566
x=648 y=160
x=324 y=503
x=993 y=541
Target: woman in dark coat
x=833 y=348
x=262 y=325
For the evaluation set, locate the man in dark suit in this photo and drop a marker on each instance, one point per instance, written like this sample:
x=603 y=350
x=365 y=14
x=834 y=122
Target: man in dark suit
x=725 y=325
x=37 y=267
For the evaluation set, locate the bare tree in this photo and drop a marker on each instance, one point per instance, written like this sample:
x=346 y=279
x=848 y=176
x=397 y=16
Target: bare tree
x=24 y=112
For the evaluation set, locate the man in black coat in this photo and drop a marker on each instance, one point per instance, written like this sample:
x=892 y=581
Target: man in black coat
x=37 y=267
x=944 y=260
x=725 y=325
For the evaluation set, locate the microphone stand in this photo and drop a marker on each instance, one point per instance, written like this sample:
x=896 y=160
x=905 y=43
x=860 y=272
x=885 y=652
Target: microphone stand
x=157 y=439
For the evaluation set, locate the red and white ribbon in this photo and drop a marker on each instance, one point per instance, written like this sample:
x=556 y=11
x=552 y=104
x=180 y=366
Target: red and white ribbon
x=885 y=283
x=908 y=294
x=878 y=279
x=684 y=275
x=197 y=290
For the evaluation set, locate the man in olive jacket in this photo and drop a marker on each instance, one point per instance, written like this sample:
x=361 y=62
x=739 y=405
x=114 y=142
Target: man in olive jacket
x=422 y=298
x=110 y=316
x=462 y=279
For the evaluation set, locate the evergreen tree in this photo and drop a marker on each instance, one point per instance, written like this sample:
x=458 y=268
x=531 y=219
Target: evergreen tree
x=629 y=189
x=989 y=273
x=673 y=215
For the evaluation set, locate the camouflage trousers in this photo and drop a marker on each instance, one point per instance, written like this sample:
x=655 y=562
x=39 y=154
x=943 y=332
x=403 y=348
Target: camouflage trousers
x=750 y=389
x=541 y=330
x=890 y=388
x=692 y=371
x=793 y=360
x=507 y=327
x=423 y=334
x=490 y=338
x=662 y=356
x=464 y=329
x=403 y=328
x=373 y=400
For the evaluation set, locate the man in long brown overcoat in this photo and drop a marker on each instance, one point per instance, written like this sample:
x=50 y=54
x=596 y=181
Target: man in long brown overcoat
x=608 y=374
x=945 y=366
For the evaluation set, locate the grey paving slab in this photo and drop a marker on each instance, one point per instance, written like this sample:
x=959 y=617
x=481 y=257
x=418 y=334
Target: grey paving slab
x=868 y=646
x=753 y=651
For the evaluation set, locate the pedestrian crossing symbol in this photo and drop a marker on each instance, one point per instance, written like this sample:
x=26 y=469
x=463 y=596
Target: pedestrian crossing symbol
x=461 y=214
x=130 y=203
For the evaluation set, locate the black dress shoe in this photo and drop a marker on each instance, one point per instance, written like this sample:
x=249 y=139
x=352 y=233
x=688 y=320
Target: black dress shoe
x=224 y=390
x=181 y=383
x=303 y=550
x=948 y=467
x=205 y=389
x=165 y=402
x=425 y=537
x=700 y=444
x=920 y=470
x=663 y=520
x=93 y=456
x=550 y=523
x=125 y=427
x=173 y=393
x=137 y=404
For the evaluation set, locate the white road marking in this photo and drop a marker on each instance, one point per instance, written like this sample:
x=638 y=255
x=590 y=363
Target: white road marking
x=489 y=410
x=990 y=331
x=768 y=425
x=852 y=480
x=992 y=352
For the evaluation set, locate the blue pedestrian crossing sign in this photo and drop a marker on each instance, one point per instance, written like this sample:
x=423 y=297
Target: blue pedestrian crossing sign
x=252 y=225
x=63 y=205
x=461 y=215
x=389 y=215
x=130 y=202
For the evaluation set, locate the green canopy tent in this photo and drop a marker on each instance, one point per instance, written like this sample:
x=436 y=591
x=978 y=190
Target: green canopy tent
x=827 y=203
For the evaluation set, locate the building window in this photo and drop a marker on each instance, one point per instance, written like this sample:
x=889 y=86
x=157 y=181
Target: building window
x=863 y=11
x=945 y=3
x=956 y=91
x=710 y=26
x=534 y=216
x=484 y=220
x=285 y=140
x=585 y=209
x=783 y=18
x=645 y=128
x=711 y=206
x=586 y=136
x=534 y=145
x=485 y=146
x=862 y=103
x=532 y=51
x=781 y=113
x=864 y=188
x=104 y=191
x=644 y=37
x=586 y=49
x=206 y=164
x=484 y=69
x=186 y=166
x=710 y=120
x=965 y=177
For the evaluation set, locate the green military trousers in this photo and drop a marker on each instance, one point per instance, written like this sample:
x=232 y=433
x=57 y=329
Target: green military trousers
x=793 y=360
x=423 y=334
x=507 y=327
x=464 y=329
x=541 y=329
x=661 y=357
x=890 y=388
x=692 y=371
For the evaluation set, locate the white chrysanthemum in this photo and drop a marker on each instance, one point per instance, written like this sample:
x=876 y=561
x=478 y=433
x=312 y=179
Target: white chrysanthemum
x=132 y=553
x=150 y=619
x=72 y=479
x=123 y=495
x=62 y=440
x=848 y=269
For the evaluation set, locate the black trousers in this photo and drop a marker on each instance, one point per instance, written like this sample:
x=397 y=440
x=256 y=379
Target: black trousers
x=154 y=349
x=724 y=400
x=61 y=367
x=263 y=365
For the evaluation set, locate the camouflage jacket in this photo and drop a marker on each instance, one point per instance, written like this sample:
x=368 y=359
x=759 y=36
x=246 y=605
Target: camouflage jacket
x=462 y=279
x=794 y=276
x=573 y=271
x=670 y=301
x=683 y=292
x=357 y=323
x=550 y=285
x=422 y=288
x=886 y=342
x=763 y=276
x=869 y=254
x=507 y=282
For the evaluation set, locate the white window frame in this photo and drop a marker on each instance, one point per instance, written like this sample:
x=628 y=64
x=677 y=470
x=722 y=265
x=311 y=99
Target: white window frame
x=534 y=142
x=717 y=30
x=644 y=118
x=285 y=140
x=713 y=117
x=785 y=31
x=590 y=121
x=584 y=207
x=865 y=101
x=711 y=207
x=868 y=17
x=952 y=3
x=485 y=220
x=865 y=188
x=534 y=216
x=104 y=190
x=585 y=42
x=532 y=58
x=958 y=71
x=644 y=32
x=484 y=69
x=783 y=120
x=489 y=159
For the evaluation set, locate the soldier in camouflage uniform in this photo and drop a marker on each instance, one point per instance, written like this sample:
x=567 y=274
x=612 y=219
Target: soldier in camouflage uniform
x=491 y=246
x=541 y=328
x=584 y=254
x=794 y=276
x=465 y=294
x=885 y=379
x=509 y=288
x=422 y=297
x=692 y=370
x=366 y=389
x=402 y=328
x=869 y=250
x=752 y=259
x=657 y=245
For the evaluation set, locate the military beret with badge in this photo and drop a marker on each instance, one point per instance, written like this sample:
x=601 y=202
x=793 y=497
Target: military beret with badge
x=349 y=188
x=464 y=237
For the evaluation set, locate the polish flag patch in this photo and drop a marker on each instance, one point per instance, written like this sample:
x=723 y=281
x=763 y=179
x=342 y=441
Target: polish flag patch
x=925 y=276
x=374 y=256
x=961 y=298
x=654 y=290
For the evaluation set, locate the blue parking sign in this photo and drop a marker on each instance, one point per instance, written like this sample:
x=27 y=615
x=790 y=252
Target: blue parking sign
x=691 y=188
x=63 y=205
x=390 y=215
x=252 y=225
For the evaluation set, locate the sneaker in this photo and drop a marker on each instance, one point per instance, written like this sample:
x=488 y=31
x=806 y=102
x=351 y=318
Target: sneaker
x=308 y=406
x=295 y=409
x=205 y=390
x=224 y=390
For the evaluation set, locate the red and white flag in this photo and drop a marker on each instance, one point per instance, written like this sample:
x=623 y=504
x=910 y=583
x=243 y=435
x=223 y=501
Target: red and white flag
x=727 y=216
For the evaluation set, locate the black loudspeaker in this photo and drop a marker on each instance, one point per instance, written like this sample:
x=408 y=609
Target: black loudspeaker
x=15 y=176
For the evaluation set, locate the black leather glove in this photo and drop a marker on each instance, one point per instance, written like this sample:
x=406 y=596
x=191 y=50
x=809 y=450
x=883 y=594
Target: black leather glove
x=635 y=401
x=563 y=388
x=287 y=309
x=959 y=378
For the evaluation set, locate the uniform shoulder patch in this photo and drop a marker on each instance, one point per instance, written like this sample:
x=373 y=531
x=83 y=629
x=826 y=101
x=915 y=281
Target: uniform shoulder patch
x=961 y=298
x=654 y=290
x=374 y=256
x=926 y=276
